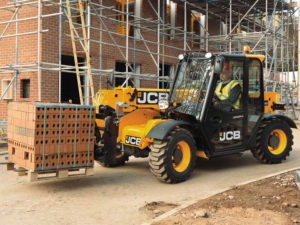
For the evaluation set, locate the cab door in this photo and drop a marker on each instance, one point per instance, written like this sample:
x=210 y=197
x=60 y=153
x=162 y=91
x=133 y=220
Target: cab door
x=255 y=97
x=225 y=127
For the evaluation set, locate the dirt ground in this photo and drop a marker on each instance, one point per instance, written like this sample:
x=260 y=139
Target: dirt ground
x=275 y=201
x=128 y=195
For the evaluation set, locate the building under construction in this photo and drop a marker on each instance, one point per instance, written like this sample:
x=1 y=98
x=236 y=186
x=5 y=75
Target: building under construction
x=137 y=40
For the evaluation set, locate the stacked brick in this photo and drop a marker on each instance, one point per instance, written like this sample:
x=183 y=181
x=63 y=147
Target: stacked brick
x=46 y=136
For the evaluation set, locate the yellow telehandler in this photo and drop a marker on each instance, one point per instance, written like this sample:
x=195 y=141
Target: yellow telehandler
x=173 y=127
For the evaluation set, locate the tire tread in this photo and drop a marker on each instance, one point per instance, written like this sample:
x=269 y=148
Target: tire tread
x=158 y=156
x=260 y=153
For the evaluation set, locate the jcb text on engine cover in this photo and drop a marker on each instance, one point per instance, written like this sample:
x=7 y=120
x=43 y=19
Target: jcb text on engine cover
x=151 y=97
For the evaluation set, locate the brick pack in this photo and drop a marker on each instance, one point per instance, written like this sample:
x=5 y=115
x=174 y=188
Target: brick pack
x=45 y=136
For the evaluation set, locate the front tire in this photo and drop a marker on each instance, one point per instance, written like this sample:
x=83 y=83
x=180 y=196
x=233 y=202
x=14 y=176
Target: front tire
x=119 y=161
x=274 y=142
x=173 y=159
x=109 y=154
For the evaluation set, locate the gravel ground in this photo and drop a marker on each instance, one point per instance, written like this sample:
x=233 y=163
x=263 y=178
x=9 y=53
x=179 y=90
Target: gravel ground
x=274 y=201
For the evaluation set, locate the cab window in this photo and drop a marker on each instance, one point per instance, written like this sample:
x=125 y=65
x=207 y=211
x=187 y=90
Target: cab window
x=229 y=87
x=254 y=86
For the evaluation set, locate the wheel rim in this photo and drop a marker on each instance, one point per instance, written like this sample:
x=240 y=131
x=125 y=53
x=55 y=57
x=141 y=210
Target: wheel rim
x=277 y=142
x=181 y=156
x=119 y=155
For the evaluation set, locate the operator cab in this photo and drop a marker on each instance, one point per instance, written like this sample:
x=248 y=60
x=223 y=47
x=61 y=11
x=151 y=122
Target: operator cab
x=224 y=94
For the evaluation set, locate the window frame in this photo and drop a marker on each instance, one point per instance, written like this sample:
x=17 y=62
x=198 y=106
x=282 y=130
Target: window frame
x=262 y=97
x=121 y=26
x=165 y=84
x=170 y=13
x=200 y=20
x=22 y=88
x=243 y=106
x=10 y=89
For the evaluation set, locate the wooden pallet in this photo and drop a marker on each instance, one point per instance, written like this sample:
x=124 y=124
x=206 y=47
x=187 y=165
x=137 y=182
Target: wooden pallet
x=50 y=174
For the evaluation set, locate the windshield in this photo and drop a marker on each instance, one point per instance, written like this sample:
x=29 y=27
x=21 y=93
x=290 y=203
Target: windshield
x=191 y=85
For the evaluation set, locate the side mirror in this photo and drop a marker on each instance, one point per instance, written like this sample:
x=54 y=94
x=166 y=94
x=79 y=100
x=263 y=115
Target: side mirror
x=111 y=78
x=219 y=62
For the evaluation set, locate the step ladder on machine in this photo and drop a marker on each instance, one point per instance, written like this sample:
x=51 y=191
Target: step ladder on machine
x=80 y=6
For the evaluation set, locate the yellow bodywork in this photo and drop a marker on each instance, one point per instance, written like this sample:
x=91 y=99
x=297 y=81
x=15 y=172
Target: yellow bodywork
x=124 y=95
x=269 y=98
x=201 y=154
x=137 y=124
x=260 y=57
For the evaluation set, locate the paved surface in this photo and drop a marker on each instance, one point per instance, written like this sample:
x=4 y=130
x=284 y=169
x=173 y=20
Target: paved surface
x=114 y=196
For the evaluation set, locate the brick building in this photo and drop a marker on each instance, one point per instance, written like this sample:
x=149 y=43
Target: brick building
x=38 y=56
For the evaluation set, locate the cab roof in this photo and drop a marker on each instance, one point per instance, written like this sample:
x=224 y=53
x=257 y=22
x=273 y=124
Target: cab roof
x=253 y=56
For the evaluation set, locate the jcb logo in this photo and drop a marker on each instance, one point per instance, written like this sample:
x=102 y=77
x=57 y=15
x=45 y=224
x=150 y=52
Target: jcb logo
x=230 y=135
x=131 y=140
x=150 y=97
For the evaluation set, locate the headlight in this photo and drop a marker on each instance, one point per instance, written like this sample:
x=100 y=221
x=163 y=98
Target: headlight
x=208 y=55
x=163 y=104
x=181 y=57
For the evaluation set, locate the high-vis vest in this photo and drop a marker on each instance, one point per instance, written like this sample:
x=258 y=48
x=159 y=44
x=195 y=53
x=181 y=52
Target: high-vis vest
x=225 y=92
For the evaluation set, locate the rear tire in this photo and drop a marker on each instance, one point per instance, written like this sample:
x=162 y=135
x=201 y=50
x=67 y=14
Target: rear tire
x=173 y=159
x=274 y=142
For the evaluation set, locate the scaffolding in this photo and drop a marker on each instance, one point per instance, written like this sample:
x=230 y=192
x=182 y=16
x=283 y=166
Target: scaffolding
x=267 y=26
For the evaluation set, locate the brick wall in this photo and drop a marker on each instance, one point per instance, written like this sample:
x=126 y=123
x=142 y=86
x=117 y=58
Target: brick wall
x=27 y=51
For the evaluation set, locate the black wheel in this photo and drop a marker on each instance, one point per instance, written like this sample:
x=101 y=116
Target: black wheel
x=274 y=142
x=119 y=160
x=173 y=159
x=103 y=158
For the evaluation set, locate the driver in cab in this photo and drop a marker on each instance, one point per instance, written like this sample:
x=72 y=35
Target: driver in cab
x=228 y=91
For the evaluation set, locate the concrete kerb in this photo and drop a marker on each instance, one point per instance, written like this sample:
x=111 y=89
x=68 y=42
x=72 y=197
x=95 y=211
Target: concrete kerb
x=187 y=204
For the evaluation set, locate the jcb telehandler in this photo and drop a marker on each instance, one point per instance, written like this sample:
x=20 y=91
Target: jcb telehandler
x=190 y=122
